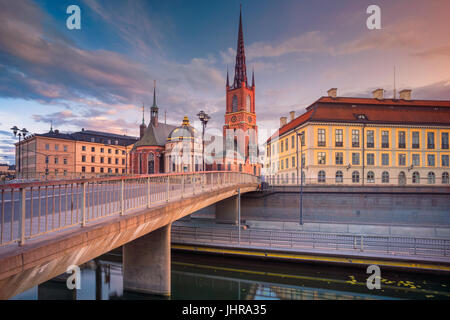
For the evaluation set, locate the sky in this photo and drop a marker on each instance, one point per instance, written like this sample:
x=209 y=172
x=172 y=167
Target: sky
x=99 y=77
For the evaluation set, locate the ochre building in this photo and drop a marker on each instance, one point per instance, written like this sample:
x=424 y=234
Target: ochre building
x=363 y=141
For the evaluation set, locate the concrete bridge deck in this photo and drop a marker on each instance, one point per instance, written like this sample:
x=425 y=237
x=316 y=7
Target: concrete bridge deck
x=43 y=257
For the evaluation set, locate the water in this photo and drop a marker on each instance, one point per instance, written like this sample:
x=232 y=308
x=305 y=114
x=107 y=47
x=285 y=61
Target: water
x=216 y=277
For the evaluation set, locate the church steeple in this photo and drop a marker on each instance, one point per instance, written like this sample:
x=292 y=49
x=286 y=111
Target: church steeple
x=142 y=127
x=154 y=108
x=228 y=81
x=240 y=74
x=253 y=77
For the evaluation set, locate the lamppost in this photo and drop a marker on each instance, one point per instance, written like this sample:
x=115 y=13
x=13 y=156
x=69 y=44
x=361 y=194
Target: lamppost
x=204 y=118
x=301 y=136
x=21 y=134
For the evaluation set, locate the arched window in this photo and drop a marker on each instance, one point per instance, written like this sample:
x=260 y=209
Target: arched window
x=416 y=177
x=321 y=176
x=370 y=177
x=385 y=177
x=402 y=178
x=151 y=163
x=235 y=104
x=248 y=104
x=339 y=177
x=445 y=178
x=431 y=178
x=355 y=177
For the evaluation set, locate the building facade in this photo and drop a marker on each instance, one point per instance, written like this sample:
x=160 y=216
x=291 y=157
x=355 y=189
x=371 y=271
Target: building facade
x=363 y=141
x=81 y=154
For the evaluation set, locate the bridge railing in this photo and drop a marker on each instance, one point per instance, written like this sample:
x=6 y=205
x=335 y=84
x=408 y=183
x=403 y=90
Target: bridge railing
x=29 y=210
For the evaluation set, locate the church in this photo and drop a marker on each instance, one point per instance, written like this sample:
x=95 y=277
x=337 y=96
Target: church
x=165 y=148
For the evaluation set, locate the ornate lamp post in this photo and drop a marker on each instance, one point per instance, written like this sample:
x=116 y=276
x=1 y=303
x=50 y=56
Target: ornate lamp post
x=21 y=134
x=204 y=118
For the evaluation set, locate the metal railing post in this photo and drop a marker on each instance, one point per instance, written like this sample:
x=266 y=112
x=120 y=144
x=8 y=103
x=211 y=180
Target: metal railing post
x=22 y=217
x=122 y=202
x=148 y=192
x=168 y=186
x=182 y=185
x=83 y=204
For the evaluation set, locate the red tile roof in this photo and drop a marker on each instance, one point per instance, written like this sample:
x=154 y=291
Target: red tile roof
x=386 y=111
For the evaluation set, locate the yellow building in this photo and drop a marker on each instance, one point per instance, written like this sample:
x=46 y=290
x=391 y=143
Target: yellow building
x=81 y=154
x=363 y=141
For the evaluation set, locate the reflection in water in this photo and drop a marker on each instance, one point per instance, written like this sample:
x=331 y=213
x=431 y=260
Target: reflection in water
x=213 y=277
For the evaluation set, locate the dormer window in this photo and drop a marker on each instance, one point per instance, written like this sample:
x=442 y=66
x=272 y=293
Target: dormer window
x=361 y=117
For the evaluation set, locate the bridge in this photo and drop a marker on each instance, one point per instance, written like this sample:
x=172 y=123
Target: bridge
x=45 y=227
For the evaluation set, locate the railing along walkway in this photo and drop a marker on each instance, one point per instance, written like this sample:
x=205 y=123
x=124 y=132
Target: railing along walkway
x=330 y=242
x=29 y=210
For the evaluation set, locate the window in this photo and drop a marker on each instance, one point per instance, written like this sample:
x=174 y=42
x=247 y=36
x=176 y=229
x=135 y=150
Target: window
x=321 y=178
x=47 y=146
x=83 y=158
x=370 y=159
x=415 y=140
x=117 y=161
x=65 y=160
x=430 y=140
x=355 y=138
x=286 y=144
x=401 y=139
x=234 y=104
x=56 y=172
x=102 y=159
x=293 y=141
x=321 y=141
x=385 y=159
x=339 y=138
x=102 y=150
x=302 y=139
x=83 y=148
x=282 y=164
x=431 y=178
x=47 y=159
x=56 y=147
x=444 y=140
x=65 y=148
x=123 y=162
x=402 y=159
x=109 y=160
x=56 y=160
x=92 y=159
x=370 y=139
x=123 y=152
x=83 y=169
x=65 y=172
x=339 y=177
x=109 y=170
x=92 y=169
x=385 y=177
x=287 y=162
x=116 y=170
x=355 y=158
x=109 y=150
x=293 y=162
x=282 y=146
x=339 y=158
x=431 y=159
x=415 y=160
x=321 y=158
x=355 y=177
x=102 y=170
x=385 y=139
x=117 y=151
x=92 y=149
x=416 y=177
x=444 y=160
x=370 y=177
x=445 y=178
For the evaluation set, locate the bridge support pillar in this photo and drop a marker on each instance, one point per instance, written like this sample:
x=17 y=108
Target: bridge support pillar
x=146 y=263
x=227 y=210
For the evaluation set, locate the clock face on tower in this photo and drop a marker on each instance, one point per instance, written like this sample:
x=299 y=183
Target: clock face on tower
x=233 y=119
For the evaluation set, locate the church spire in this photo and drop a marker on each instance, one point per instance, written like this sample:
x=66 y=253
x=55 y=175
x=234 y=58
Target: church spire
x=228 y=81
x=253 y=77
x=143 y=118
x=154 y=93
x=240 y=75
x=154 y=108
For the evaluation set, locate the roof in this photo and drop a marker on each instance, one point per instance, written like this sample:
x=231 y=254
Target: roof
x=183 y=132
x=376 y=111
x=155 y=136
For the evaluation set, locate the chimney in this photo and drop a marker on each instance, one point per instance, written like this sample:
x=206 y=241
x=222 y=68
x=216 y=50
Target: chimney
x=378 y=94
x=292 y=113
x=405 y=94
x=332 y=93
x=283 y=121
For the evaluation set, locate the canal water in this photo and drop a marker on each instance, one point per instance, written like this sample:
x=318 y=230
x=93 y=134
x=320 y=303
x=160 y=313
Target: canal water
x=212 y=277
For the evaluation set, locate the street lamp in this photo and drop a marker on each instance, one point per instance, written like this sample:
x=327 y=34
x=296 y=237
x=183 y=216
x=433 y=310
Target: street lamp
x=301 y=136
x=21 y=134
x=204 y=118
